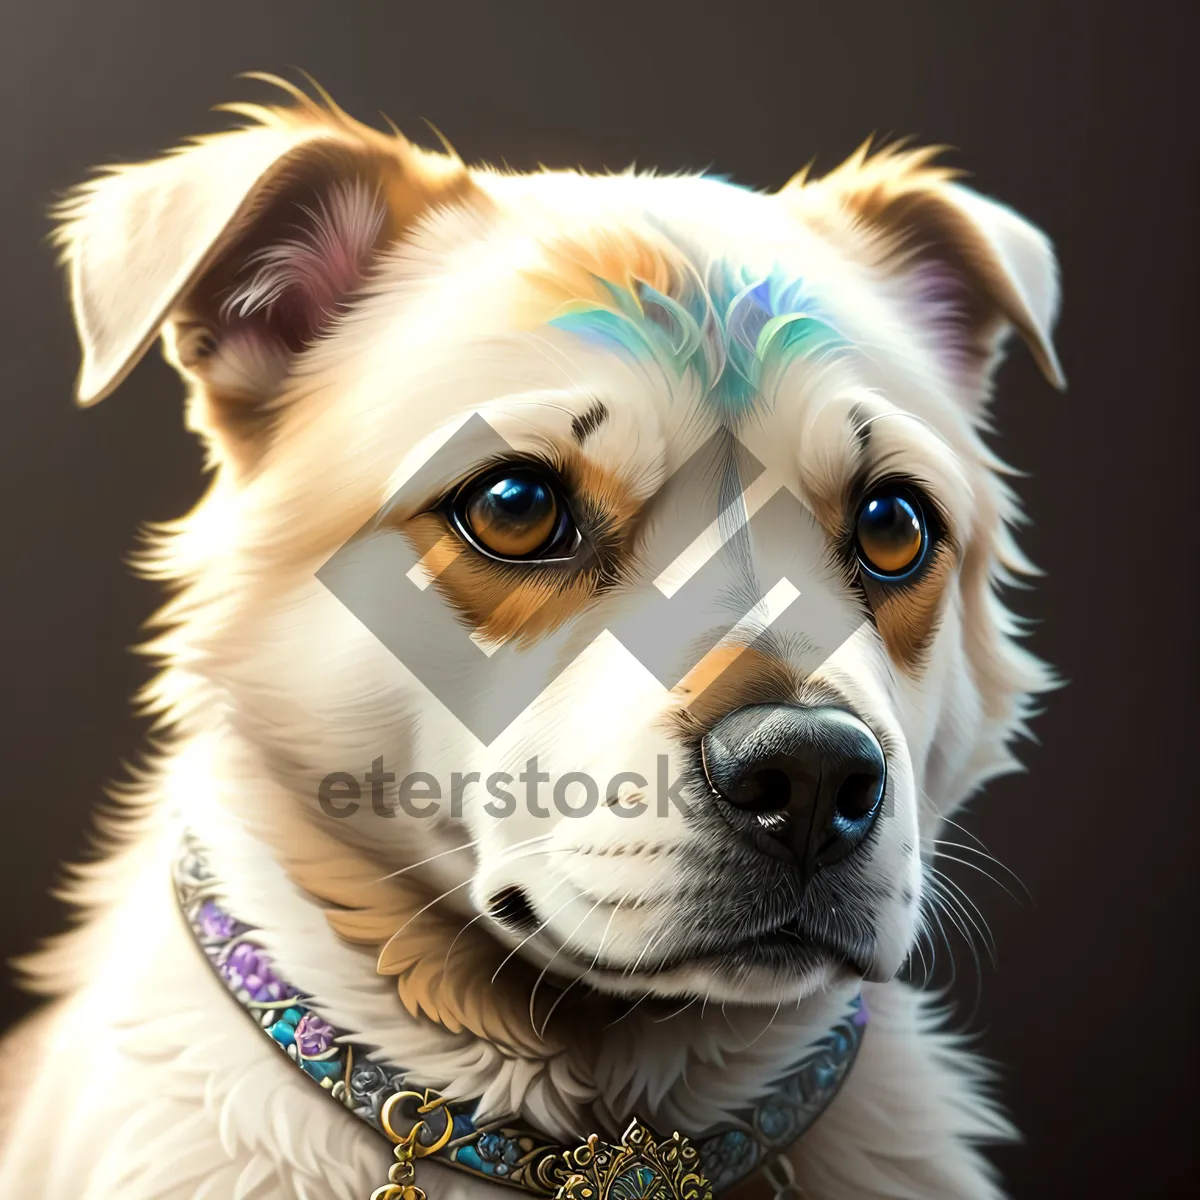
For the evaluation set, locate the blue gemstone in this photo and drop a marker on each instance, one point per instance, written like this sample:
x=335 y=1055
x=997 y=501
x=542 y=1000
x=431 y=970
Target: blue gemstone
x=468 y=1155
x=637 y=1183
x=326 y=1069
x=284 y=1032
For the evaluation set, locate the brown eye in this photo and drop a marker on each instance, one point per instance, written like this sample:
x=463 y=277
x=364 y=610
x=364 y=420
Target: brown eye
x=513 y=514
x=890 y=533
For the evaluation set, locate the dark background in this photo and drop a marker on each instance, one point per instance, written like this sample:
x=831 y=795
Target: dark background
x=1080 y=115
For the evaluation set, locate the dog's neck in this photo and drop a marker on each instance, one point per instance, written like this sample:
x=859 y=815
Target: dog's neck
x=426 y=987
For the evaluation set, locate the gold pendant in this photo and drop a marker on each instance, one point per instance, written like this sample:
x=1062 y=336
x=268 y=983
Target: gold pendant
x=400 y=1184
x=639 y=1168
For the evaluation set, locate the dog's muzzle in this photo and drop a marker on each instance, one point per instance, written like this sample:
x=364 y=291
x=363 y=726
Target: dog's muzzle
x=802 y=784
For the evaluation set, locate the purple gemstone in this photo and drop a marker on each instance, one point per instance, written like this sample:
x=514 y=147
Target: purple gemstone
x=215 y=922
x=314 y=1036
x=248 y=968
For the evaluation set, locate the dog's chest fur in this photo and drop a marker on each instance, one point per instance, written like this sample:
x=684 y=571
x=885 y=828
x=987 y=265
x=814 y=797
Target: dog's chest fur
x=149 y=1082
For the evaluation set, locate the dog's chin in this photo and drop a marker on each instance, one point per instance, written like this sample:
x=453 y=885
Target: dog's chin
x=782 y=965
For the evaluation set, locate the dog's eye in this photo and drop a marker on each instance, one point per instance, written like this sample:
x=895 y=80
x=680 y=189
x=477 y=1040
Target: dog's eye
x=515 y=513
x=890 y=533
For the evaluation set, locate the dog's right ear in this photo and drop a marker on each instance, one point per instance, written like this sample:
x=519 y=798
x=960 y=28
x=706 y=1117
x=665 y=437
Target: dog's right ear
x=983 y=269
x=243 y=248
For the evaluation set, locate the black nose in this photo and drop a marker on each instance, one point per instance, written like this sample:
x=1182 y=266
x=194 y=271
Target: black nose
x=807 y=783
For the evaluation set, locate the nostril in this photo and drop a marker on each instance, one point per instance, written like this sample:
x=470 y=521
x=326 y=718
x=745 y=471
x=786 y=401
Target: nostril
x=510 y=906
x=768 y=789
x=858 y=794
x=809 y=782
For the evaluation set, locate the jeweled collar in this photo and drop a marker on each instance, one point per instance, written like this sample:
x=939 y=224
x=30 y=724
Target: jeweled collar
x=420 y=1123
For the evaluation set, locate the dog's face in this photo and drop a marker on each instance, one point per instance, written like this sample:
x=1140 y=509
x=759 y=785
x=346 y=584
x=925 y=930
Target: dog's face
x=672 y=487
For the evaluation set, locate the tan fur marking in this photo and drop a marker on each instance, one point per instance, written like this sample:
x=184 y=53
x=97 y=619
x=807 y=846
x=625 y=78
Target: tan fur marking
x=726 y=678
x=573 y=271
x=505 y=603
x=907 y=616
x=900 y=194
x=453 y=988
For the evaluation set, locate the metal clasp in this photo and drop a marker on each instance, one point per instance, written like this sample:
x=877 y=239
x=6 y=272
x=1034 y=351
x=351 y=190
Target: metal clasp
x=401 y=1184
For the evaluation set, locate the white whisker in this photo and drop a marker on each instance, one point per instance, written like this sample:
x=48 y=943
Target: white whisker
x=538 y=981
x=508 y=957
x=424 y=861
x=591 y=967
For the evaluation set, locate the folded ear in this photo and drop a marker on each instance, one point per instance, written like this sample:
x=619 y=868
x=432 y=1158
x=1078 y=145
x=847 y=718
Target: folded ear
x=981 y=268
x=245 y=246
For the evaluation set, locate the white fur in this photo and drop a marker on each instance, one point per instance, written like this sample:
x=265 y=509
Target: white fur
x=150 y=1083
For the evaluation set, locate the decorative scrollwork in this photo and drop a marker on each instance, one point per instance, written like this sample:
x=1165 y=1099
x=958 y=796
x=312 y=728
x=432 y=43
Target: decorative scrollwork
x=509 y=1151
x=640 y=1167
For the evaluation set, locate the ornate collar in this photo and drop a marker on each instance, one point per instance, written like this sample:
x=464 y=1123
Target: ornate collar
x=420 y=1123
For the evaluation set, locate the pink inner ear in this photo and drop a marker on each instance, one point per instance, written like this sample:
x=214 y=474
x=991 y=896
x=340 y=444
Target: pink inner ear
x=299 y=283
x=942 y=301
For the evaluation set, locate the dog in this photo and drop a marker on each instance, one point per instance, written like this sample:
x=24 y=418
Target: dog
x=551 y=392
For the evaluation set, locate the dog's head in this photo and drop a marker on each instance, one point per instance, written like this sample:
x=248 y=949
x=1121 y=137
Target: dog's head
x=617 y=555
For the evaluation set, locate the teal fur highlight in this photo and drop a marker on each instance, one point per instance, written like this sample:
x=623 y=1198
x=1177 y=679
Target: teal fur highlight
x=728 y=327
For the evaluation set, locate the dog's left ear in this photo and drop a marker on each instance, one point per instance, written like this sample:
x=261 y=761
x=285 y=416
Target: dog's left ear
x=243 y=249
x=983 y=270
